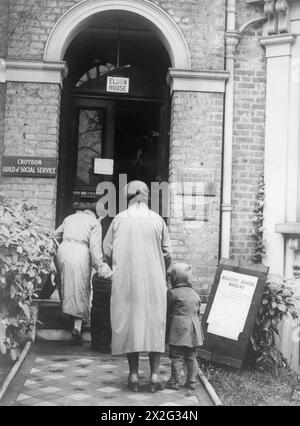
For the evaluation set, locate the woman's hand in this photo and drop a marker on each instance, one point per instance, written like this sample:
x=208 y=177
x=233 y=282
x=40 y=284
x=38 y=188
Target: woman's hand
x=104 y=271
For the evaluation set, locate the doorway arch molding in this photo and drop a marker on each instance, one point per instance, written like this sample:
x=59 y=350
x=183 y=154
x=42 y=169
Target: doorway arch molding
x=76 y=18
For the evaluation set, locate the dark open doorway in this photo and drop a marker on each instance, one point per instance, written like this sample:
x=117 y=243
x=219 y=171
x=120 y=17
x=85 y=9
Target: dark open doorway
x=137 y=143
x=130 y=128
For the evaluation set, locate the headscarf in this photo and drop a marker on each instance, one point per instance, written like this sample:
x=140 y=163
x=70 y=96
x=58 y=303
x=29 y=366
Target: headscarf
x=180 y=273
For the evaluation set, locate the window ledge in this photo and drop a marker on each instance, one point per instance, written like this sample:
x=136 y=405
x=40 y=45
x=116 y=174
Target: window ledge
x=288 y=228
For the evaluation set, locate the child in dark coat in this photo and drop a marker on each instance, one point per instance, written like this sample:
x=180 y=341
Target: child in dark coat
x=184 y=332
x=100 y=314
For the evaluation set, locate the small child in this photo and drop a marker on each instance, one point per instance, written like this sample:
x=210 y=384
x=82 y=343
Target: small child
x=184 y=332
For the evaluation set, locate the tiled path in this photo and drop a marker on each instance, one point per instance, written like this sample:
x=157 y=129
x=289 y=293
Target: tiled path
x=54 y=374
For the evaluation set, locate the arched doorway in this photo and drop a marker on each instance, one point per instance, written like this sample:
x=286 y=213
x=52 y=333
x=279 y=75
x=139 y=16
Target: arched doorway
x=78 y=16
x=105 y=123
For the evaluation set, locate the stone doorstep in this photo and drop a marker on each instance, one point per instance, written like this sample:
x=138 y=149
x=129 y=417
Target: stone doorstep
x=47 y=303
x=57 y=330
x=58 y=335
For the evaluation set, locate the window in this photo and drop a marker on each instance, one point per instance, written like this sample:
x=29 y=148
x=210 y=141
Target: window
x=90 y=143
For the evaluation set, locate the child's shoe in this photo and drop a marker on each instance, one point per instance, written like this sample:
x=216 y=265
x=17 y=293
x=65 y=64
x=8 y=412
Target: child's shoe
x=191 y=385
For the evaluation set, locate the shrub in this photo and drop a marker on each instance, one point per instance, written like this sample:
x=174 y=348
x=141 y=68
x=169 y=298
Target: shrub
x=276 y=302
x=26 y=258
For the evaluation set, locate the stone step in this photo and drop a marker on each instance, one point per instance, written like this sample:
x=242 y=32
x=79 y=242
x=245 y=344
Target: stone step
x=57 y=335
x=53 y=325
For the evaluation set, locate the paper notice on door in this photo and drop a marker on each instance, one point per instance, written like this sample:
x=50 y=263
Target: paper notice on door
x=231 y=304
x=103 y=166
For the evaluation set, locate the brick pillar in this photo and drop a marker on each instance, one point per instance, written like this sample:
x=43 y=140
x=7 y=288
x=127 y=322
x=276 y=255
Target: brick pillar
x=196 y=142
x=31 y=128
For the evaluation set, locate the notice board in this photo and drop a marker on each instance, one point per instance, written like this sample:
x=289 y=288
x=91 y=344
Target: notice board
x=231 y=312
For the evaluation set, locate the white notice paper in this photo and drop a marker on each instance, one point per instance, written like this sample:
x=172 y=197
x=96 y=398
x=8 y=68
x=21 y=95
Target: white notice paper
x=103 y=166
x=231 y=304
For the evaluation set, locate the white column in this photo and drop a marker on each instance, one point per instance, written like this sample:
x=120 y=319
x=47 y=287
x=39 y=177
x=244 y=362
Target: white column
x=292 y=195
x=293 y=156
x=278 y=54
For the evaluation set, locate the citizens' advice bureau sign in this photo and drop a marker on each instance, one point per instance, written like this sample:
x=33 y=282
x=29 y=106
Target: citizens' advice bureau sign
x=231 y=312
x=19 y=166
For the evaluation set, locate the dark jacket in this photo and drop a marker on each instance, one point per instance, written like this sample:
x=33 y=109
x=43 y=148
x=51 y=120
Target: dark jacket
x=184 y=328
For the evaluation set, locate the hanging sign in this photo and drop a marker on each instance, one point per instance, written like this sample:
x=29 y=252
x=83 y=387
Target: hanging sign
x=19 y=166
x=117 y=84
x=231 y=312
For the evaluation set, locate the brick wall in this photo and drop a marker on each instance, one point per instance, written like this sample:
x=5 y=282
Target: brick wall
x=32 y=111
x=32 y=128
x=245 y=12
x=202 y=23
x=249 y=134
x=196 y=139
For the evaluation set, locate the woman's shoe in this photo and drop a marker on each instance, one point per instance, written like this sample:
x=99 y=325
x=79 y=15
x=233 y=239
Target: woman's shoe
x=156 y=383
x=133 y=382
x=76 y=335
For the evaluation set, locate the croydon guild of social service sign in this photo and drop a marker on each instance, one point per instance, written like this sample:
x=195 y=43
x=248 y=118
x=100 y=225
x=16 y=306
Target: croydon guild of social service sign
x=20 y=166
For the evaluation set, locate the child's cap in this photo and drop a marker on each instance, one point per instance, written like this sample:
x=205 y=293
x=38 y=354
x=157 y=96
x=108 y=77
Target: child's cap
x=181 y=272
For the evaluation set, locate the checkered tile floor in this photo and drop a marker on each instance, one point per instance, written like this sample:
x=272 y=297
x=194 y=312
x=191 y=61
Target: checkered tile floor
x=70 y=380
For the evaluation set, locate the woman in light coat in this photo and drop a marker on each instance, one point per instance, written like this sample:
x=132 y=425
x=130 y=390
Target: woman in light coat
x=138 y=242
x=80 y=249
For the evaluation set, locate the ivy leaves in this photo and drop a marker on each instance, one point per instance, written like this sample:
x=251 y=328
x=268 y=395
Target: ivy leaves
x=258 y=221
x=26 y=255
x=276 y=302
